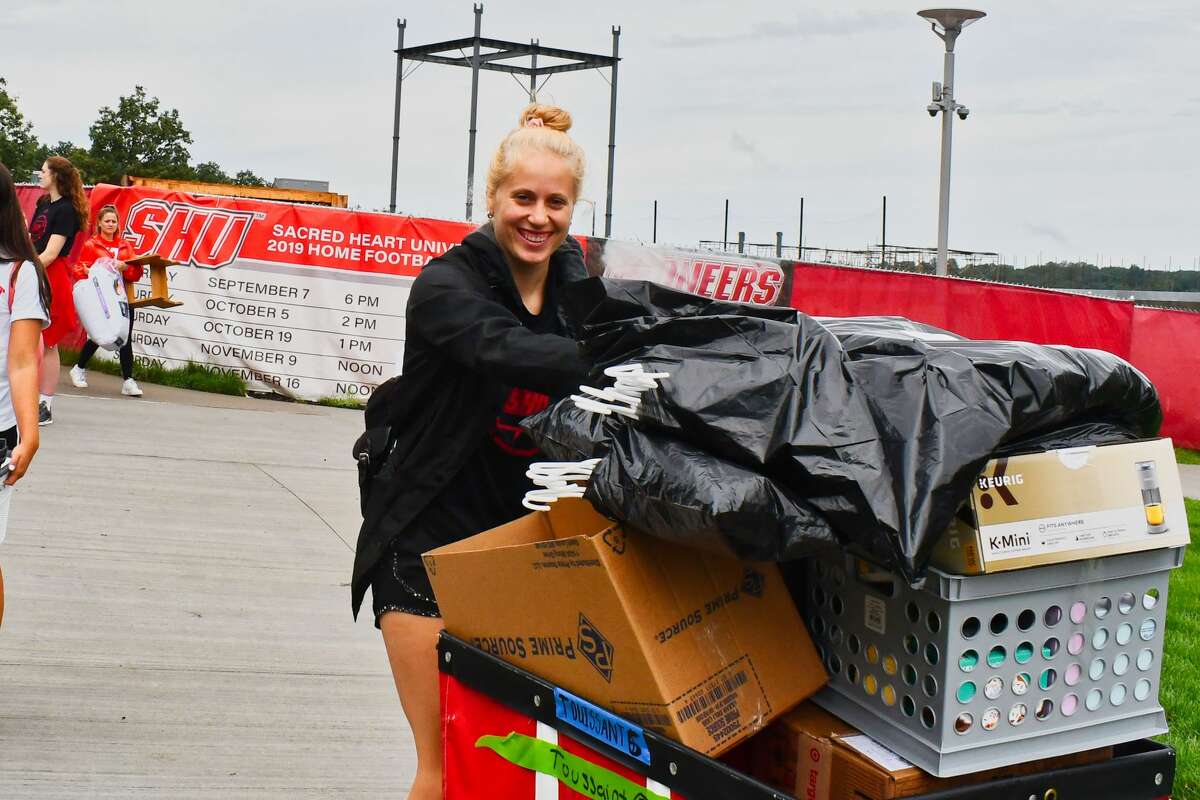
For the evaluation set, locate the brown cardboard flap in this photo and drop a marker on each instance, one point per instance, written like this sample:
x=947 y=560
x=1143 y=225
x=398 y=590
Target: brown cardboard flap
x=576 y=517
x=566 y=519
x=811 y=719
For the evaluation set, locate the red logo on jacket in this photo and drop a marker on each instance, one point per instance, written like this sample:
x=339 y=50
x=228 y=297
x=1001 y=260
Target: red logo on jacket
x=507 y=432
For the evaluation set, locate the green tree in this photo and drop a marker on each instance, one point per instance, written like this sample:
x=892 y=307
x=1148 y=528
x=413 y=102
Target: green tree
x=247 y=178
x=19 y=147
x=139 y=137
x=211 y=172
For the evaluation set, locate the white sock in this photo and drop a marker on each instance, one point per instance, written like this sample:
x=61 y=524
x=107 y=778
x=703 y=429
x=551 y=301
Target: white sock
x=48 y=399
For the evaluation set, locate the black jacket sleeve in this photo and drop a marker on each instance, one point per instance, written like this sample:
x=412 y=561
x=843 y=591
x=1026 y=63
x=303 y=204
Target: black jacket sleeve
x=479 y=333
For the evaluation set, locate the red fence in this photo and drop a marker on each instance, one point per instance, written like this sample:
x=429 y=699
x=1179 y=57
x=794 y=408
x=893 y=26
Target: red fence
x=1163 y=344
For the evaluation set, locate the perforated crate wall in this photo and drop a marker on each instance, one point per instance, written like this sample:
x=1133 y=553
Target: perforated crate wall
x=976 y=672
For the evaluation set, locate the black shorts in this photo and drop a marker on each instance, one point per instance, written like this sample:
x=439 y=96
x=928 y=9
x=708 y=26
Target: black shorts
x=400 y=583
x=9 y=437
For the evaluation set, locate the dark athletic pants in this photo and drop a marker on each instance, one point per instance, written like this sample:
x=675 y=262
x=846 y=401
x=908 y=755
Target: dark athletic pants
x=126 y=353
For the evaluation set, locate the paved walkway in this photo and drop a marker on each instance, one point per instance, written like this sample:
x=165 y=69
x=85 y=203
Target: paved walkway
x=1190 y=475
x=177 y=619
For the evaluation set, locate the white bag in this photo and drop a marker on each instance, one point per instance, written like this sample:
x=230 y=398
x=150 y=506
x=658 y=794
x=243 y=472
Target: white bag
x=102 y=305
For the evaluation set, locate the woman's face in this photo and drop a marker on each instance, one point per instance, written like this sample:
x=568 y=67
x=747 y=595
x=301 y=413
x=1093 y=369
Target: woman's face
x=46 y=178
x=532 y=208
x=108 y=225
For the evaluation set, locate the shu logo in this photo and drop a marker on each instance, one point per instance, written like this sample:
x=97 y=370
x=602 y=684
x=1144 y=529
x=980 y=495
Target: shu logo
x=753 y=582
x=203 y=236
x=597 y=649
x=1000 y=481
x=430 y=564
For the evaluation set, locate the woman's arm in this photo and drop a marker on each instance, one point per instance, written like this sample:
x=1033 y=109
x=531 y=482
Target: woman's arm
x=24 y=349
x=484 y=336
x=54 y=246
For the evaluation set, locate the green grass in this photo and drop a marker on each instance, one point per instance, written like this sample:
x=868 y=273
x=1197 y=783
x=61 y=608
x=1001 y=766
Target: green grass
x=1185 y=456
x=1181 y=665
x=196 y=377
x=342 y=402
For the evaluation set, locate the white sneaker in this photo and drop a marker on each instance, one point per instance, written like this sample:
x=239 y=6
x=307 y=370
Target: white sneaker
x=79 y=377
x=130 y=388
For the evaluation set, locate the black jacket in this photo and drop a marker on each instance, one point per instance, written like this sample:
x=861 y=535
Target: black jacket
x=464 y=342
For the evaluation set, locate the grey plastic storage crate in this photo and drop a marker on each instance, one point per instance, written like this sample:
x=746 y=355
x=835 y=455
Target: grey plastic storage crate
x=970 y=673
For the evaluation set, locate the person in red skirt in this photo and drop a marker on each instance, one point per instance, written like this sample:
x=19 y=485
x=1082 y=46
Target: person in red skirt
x=107 y=243
x=59 y=217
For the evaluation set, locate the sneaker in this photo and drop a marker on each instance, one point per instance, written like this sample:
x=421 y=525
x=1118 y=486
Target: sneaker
x=44 y=416
x=79 y=377
x=130 y=388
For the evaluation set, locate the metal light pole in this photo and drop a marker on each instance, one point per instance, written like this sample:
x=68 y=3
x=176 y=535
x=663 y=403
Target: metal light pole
x=400 y=23
x=947 y=24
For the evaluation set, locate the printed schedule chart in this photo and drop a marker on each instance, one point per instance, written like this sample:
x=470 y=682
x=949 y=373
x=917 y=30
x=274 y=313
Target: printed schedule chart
x=305 y=332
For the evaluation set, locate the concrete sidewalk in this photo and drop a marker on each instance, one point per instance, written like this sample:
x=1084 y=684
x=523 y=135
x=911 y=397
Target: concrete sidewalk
x=1189 y=474
x=177 y=619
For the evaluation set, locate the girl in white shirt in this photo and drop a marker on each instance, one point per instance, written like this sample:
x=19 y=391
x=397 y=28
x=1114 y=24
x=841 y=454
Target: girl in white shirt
x=24 y=300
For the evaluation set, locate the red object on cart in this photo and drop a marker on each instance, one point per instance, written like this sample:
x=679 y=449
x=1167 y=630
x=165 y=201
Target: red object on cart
x=473 y=772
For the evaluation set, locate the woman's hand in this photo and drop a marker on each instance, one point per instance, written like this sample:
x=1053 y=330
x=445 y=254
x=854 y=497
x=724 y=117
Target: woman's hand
x=20 y=460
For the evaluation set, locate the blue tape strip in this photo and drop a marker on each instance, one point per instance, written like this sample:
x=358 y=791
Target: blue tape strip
x=604 y=726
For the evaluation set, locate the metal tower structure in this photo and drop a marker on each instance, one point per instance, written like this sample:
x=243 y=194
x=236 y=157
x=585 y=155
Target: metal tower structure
x=479 y=53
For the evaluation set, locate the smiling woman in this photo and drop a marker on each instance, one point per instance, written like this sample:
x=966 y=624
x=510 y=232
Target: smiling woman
x=444 y=456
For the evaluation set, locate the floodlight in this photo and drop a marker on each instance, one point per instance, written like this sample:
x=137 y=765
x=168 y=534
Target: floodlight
x=951 y=19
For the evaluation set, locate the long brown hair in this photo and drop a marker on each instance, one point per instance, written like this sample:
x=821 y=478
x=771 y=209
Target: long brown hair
x=70 y=186
x=15 y=244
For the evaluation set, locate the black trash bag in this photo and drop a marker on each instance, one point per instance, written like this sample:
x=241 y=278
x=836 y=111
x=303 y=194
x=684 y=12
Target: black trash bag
x=1087 y=434
x=880 y=426
x=564 y=432
x=681 y=493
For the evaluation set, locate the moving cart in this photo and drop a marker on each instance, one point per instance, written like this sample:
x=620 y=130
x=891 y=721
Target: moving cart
x=511 y=735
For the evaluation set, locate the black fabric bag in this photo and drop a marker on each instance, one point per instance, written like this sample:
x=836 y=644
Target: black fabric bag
x=778 y=434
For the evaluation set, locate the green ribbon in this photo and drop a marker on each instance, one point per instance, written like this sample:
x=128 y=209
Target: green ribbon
x=584 y=777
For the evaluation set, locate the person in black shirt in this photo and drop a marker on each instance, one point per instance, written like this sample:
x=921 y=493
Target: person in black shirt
x=485 y=346
x=60 y=215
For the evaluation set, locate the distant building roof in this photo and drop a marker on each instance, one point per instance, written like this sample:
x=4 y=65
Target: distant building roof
x=301 y=184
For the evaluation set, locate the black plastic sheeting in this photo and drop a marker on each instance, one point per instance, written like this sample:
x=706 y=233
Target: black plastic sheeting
x=779 y=434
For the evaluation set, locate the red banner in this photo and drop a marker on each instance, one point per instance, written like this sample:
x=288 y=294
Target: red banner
x=1165 y=348
x=976 y=309
x=212 y=232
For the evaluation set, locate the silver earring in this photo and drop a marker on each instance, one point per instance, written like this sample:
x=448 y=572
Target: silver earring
x=490 y=215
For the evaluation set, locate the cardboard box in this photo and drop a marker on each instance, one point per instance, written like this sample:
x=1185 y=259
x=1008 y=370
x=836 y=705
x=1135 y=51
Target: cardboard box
x=815 y=756
x=795 y=753
x=1068 y=505
x=702 y=648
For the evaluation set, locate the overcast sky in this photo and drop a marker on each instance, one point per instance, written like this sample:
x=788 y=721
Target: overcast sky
x=1082 y=141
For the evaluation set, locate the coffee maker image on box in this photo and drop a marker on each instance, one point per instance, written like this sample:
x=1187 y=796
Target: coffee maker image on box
x=1151 y=497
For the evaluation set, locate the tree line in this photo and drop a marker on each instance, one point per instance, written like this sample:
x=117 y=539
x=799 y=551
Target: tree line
x=137 y=137
x=1070 y=275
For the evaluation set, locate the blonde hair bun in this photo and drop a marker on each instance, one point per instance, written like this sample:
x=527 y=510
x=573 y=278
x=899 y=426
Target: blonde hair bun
x=552 y=117
x=547 y=134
